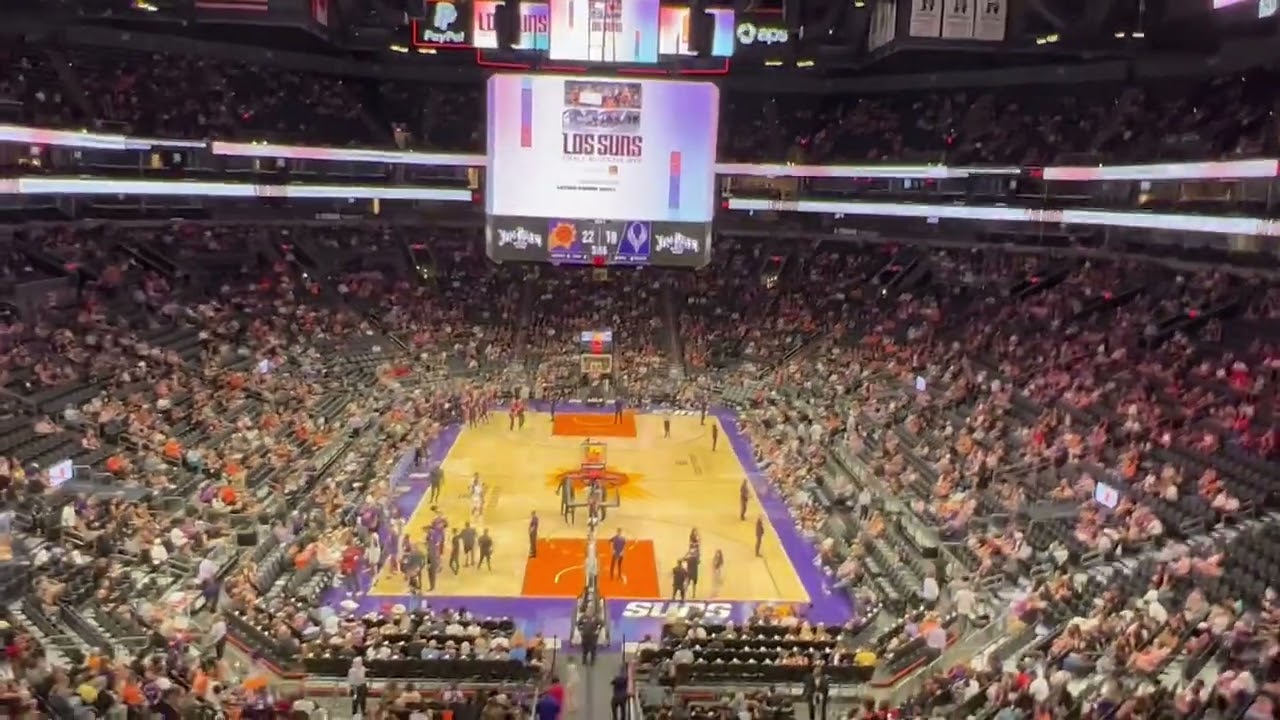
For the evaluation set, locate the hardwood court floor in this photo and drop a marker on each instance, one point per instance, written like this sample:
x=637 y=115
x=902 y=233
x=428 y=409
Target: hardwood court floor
x=668 y=487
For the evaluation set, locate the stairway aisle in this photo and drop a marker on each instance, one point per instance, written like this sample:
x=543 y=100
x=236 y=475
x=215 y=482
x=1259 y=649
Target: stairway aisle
x=671 y=328
x=71 y=82
x=597 y=687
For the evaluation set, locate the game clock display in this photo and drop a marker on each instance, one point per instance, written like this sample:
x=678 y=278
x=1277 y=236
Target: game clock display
x=573 y=241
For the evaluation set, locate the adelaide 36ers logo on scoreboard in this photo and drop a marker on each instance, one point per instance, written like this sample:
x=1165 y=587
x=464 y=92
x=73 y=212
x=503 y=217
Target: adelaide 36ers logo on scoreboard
x=601 y=119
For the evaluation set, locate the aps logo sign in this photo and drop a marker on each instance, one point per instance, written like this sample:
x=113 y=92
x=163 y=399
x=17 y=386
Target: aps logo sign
x=750 y=33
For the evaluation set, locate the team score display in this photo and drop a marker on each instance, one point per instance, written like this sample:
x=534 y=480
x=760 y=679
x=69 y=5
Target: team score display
x=597 y=242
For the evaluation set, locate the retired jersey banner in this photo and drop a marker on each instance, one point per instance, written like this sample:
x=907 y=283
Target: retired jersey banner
x=884 y=24
x=992 y=16
x=957 y=18
x=926 y=18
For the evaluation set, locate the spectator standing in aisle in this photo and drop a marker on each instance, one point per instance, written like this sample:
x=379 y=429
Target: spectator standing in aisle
x=589 y=636
x=358 y=687
x=618 y=703
x=817 y=689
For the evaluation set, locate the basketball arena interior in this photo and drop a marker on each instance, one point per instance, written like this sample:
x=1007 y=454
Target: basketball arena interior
x=573 y=360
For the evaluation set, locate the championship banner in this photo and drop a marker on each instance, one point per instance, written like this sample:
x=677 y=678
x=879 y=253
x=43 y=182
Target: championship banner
x=992 y=16
x=607 y=149
x=958 y=18
x=611 y=31
x=926 y=18
x=884 y=24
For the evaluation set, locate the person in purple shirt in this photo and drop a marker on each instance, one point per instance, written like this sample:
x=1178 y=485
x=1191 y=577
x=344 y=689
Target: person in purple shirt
x=618 y=544
x=547 y=708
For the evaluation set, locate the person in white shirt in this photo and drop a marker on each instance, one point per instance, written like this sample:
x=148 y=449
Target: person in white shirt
x=358 y=687
x=218 y=636
x=929 y=589
x=964 y=599
x=1039 y=688
x=67 y=519
x=207 y=570
x=936 y=640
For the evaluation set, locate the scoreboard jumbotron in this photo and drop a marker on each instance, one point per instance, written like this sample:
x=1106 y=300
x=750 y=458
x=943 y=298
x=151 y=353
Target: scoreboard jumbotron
x=605 y=171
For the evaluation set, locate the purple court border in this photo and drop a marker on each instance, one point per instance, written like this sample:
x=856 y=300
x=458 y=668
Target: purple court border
x=552 y=617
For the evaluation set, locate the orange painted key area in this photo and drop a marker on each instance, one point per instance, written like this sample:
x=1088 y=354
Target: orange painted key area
x=558 y=570
x=594 y=425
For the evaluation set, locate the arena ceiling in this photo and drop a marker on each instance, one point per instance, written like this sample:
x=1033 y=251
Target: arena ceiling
x=1039 y=32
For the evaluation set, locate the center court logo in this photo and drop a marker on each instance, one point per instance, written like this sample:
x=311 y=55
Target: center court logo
x=676 y=243
x=444 y=28
x=520 y=238
x=710 y=611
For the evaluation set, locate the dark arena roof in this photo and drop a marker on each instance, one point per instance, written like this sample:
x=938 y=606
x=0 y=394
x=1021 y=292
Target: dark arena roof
x=874 y=359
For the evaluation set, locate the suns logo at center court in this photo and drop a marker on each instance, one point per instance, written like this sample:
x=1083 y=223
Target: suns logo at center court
x=644 y=609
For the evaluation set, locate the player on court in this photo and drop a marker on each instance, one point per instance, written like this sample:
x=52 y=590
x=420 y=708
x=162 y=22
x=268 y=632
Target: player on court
x=717 y=573
x=715 y=436
x=618 y=545
x=477 y=496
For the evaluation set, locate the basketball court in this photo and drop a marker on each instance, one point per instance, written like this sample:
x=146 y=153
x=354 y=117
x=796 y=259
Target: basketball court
x=665 y=487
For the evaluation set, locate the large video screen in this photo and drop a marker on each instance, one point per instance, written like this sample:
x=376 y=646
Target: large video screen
x=601 y=148
x=611 y=31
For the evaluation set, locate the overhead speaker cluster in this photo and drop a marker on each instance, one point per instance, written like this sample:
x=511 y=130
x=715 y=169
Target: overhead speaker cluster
x=506 y=24
x=702 y=28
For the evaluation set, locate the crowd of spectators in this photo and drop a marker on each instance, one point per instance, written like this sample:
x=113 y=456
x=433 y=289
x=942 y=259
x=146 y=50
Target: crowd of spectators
x=1044 y=416
x=180 y=95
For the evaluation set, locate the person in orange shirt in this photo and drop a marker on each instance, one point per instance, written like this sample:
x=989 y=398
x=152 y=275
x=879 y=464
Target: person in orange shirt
x=173 y=449
x=228 y=496
x=116 y=465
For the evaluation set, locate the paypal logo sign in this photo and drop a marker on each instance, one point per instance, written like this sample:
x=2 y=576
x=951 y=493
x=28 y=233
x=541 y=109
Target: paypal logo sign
x=445 y=26
x=446 y=13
